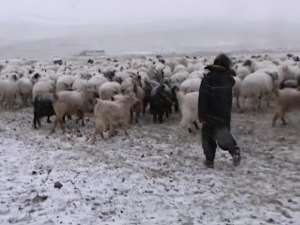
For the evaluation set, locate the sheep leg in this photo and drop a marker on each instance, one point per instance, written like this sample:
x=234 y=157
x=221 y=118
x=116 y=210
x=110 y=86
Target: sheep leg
x=8 y=104
x=99 y=128
x=137 y=117
x=11 y=103
x=14 y=103
x=125 y=128
x=282 y=117
x=82 y=121
x=160 y=117
x=268 y=101
x=97 y=131
x=94 y=138
x=34 y=122
x=54 y=126
x=259 y=101
x=176 y=106
x=275 y=119
x=28 y=101
x=61 y=124
x=144 y=106
x=80 y=115
x=131 y=115
x=141 y=110
x=284 y=123
x=125 y=131
x=48 y=119
x=196 y=125
x=167 y=113
x=238 y=102
x=24 y=100
x=154 y=117
x=110 y=131
x=243 y=104
x=39 y=122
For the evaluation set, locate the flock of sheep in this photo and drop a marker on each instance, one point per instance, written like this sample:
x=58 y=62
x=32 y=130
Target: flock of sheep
x=116 y=92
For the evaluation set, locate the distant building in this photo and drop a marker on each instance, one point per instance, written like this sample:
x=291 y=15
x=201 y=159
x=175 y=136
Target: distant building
x=92 y=53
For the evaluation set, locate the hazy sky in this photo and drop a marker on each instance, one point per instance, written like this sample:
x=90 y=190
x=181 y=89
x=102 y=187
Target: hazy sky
x=120 y=11
x=37 y=27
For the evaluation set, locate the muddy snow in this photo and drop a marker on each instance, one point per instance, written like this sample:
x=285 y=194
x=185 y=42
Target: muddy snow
x=156 y=176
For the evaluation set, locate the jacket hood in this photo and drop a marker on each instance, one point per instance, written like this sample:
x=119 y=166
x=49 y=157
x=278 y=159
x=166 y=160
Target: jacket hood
x=220 y=69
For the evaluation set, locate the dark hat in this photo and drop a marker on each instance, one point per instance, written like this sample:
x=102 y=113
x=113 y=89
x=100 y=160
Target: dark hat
x=223 y=60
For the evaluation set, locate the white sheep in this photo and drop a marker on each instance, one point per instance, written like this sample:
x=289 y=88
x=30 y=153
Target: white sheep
x=179 y=77
x=196 y=74
x=188 y=104
x=242 y=72
x=237 y=90
x=107 y=90
x=8 y=92
x=96 y=82
x=112 y=114
x=64 y=83
x=80 y=85
x=122 y=75
x=167 y=72
x=195 y=67
x=190 y=85
x=25 y=87
x=144 y=78
x=288 y=99
x=44 y=87
x=70 y=103
x=251 y=65
x=127 y=86
x=288 y=72
x=257 y=86
x=180 y=68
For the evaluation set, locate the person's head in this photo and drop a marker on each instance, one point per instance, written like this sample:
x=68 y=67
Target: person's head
x=223 y=60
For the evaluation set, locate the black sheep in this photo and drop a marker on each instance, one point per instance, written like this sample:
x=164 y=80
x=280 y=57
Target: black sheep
x=110 y=74
x=90 y=61
x=160 y=103
x=58 y=62
x=42 y=107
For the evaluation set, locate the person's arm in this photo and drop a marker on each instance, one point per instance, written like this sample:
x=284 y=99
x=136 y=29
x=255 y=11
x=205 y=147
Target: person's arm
x=203 y=99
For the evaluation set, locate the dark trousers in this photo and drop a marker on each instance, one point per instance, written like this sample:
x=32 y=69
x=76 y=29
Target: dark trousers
x=213 y=136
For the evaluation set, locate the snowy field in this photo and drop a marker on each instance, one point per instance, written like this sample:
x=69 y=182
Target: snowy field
x=156 y=176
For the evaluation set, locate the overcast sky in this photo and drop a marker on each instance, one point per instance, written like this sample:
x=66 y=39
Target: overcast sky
x=36 y=27
x=129 y=11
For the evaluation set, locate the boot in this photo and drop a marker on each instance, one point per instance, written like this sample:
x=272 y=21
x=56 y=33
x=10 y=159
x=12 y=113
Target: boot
x=209 y=164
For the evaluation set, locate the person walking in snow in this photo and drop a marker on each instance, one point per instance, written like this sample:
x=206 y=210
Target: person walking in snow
x=214 y=110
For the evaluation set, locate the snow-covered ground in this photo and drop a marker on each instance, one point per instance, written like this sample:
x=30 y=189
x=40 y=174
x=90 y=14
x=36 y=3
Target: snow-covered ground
x=156 y=176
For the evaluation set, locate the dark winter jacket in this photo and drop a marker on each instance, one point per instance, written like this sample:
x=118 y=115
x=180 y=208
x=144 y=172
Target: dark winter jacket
x=215 y=96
